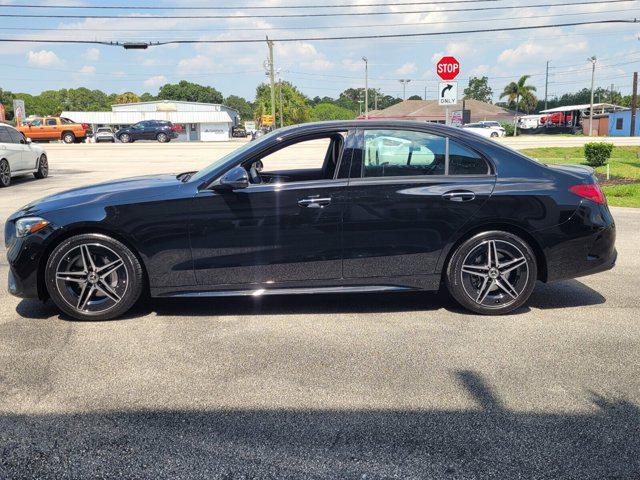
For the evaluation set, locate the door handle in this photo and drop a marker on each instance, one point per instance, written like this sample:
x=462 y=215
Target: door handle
x=459 y=196
x=314 y=202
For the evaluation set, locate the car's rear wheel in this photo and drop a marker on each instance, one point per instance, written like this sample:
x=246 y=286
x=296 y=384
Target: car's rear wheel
x=494 y=134
x=492 y=273
x=125 y=138
x=5 y=173
x=68 y=137
x=43 y=167
x=162 y=137
x=93 y=277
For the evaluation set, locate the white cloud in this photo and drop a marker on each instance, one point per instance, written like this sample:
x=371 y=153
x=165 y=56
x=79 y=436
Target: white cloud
x=435 y=58
x=43 y=58
x=155 y=81
x=407 y=68
x=91 y=54
x=199 y=63
x=88 y=70
x=530 y=50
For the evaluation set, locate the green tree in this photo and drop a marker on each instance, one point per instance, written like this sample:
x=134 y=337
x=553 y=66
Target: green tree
x=147 y=97
x=514 y=92
x=189 y=92
x=329 y=111
x=127 y=97
x=295 y=106
x=244 y=107
x=415 y=97
x=479 y=89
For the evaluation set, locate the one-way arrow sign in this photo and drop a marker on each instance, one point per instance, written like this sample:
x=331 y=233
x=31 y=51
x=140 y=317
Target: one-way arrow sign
x=448 y=93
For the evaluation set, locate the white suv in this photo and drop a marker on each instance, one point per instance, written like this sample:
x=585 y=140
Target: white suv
x=485 y=129
x=18 y=156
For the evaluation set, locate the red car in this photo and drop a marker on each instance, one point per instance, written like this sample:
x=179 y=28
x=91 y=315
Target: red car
x=557 y=118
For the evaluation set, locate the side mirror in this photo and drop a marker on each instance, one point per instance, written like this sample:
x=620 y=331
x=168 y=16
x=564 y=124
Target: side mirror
x=234 y=179
x=28 y=140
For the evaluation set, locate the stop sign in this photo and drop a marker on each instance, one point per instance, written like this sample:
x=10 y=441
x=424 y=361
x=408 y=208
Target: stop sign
x=448 y=68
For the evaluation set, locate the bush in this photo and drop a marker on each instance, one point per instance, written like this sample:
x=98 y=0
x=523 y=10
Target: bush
x=597 y=154
x=508 y=129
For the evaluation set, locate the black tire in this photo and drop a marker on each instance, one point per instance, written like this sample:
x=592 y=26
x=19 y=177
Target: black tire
x=5 y=173
x=43 y=167
x=68 y=137
x=162 y=137
x=497 y=289
x=100 y=285
x=494 y=135
x=125 y=138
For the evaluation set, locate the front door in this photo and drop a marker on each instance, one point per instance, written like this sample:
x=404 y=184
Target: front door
x=285 y=227
x=409 y=193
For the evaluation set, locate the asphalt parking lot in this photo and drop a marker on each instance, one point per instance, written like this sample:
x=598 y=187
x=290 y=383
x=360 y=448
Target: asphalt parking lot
x=344 y=386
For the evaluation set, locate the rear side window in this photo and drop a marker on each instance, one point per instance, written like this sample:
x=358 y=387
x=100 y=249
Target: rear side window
x=51 y=121
x=4 y=135
x=464 y=161
x=398 y=153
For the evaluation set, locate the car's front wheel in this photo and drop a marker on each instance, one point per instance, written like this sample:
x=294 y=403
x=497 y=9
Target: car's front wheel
x=43 y=167
x=93 y=277
x=492 y=273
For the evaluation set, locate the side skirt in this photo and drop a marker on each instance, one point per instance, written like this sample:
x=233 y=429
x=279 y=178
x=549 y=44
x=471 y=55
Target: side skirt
x=286 y=291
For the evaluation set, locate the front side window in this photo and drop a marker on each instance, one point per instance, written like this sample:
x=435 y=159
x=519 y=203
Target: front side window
x=36 y=122
x=51 y=122
x=17 y=136
x=398 y=153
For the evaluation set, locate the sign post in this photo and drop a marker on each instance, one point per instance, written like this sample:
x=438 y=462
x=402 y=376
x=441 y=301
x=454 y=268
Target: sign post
x=447 y=69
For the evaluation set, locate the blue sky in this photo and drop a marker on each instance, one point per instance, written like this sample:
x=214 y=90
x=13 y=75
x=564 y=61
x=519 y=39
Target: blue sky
x=320 y=68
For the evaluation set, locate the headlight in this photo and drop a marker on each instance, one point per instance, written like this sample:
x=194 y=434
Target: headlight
x=28 y=225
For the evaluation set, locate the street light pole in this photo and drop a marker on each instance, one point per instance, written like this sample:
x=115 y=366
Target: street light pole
x=366 y=87
x=404 y=82
x=593 y=61
x=546 y=85
x=272 y=80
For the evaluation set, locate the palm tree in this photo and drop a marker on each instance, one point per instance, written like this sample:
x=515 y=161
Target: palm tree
x=514 y=92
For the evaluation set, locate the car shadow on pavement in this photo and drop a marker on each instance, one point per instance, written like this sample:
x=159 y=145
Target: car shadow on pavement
x=489 y=441
x=569 y=293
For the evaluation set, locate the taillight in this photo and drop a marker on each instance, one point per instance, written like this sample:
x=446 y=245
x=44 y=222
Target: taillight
x=84 y=126
x=590 y=192
x=171 y=129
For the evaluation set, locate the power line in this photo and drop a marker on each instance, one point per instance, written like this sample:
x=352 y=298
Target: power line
x=306 y=15
x=239 y=7
x=320 y=27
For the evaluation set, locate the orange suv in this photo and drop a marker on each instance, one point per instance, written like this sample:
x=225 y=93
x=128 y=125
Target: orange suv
x=54 y=128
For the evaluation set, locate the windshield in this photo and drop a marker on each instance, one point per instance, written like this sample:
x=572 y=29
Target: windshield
x=208 y=170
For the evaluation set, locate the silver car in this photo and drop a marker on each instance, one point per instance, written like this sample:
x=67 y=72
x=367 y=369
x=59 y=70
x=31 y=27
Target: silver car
x=105 y=134
x=18 y=156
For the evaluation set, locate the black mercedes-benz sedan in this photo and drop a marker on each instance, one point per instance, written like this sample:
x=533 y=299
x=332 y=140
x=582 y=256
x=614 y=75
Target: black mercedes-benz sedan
x=353 y=206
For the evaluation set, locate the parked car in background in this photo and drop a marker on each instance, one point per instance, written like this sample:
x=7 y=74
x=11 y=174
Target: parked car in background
x=104 y=134
x=160 y=130
x=385 y=206
x=490 y=123
x=485 y=130
x=55 y=128
x=239 y=131
x=18 y=156
x=528 y=122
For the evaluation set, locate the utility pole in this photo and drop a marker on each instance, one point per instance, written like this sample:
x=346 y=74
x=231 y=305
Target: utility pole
x=546 y=85
x=593 y=61
x=280 y=99
x=404 y=82
x=611 y=94
x=425 y=92
x=634 y=104
x=272 y=79
x=366 y=88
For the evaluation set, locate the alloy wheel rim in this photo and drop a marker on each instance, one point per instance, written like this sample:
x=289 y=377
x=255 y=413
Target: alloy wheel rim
x=5 y=173
x=44 y=165
x=162 y=137
x=495 y=273
x=92 y=278
x=68 y=138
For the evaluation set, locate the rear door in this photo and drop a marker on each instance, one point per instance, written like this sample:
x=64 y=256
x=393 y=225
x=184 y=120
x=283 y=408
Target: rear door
x=9 y=150
x=409 y=192
x=51 y=128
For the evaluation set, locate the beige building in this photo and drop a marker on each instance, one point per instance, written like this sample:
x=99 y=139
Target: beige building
x=430 y=111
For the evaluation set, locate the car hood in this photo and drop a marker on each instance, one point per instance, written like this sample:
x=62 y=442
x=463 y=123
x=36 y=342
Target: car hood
x=124 y=190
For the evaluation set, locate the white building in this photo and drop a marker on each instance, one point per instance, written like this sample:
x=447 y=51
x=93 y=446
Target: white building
x=209 y=122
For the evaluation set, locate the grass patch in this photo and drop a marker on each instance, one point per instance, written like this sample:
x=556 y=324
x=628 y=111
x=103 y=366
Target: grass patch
x=623 y=195
x=623 y=165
